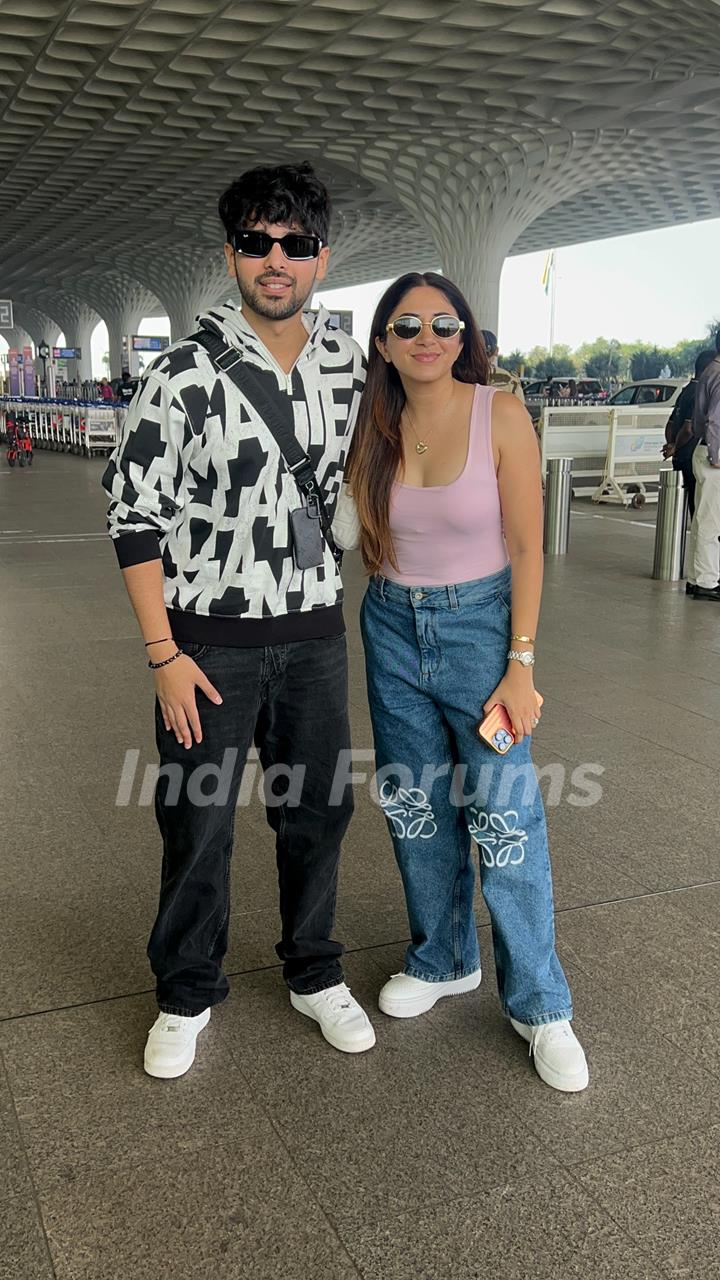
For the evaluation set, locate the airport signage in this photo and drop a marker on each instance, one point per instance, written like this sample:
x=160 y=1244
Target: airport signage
x=6 y=314
x=142 y=342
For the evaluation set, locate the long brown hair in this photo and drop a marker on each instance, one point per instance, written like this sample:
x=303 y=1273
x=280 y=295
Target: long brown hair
x=376 y=453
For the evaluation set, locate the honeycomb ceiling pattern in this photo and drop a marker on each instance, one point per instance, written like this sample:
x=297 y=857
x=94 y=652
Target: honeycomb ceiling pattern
x=448 y=132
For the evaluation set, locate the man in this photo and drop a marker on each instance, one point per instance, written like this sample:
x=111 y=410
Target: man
x=680 y=442
x=704 y=562
x=201 y=500
x=125 y=387
x=501 y=378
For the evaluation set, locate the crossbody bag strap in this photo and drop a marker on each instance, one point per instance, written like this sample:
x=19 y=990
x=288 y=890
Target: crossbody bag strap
x=276 y=414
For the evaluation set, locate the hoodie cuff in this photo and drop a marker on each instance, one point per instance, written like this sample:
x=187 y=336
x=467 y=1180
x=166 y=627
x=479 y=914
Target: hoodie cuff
x=137 y=548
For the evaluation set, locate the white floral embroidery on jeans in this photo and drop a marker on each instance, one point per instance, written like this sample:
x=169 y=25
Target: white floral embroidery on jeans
x=408 y=811
x=498 y=836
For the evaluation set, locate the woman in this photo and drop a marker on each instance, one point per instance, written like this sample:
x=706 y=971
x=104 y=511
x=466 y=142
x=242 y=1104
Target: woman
x=106 y=391
x=445 y=475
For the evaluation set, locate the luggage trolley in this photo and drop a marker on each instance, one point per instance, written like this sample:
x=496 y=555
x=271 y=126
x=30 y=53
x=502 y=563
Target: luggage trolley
x=77 y=427
x=100 y=433
x=44 y=423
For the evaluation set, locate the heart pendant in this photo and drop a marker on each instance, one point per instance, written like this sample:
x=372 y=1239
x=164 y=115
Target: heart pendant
x=420 y=447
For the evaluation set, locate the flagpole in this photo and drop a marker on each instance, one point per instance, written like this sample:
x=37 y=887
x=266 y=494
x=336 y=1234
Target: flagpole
x=553 y=300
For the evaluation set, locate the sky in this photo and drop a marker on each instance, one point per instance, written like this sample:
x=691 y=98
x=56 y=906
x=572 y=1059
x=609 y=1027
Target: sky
x=657 y=286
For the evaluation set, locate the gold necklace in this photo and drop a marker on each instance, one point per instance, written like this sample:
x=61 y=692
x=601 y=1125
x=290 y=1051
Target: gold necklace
x=421 y=445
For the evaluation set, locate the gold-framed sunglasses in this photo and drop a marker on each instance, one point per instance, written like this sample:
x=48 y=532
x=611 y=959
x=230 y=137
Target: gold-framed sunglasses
x=409 y=327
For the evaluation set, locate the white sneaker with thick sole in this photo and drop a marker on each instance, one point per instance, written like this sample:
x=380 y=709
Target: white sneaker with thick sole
x=404 y=996
x=342 y=1021
x=558 y=1055
x=170 y=1048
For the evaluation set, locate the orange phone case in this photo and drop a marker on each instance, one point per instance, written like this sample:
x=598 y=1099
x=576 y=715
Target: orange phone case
x=496 y=729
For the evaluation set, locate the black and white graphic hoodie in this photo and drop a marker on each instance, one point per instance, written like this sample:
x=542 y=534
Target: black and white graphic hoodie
x=198 y=481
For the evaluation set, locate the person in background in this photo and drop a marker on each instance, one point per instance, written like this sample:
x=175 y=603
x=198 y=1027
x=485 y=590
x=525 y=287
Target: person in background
x=679 y=439
x=106 y=391
x=125 y=387
x=501 y=378
x=703 y=557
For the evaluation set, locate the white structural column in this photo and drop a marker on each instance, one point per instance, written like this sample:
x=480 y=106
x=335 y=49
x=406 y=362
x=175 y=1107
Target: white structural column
x=17 y=338
x=115 y=297
x=78 y=321
x=122 y=303
x=39 y=325
x=188 y=281
x=475 y=196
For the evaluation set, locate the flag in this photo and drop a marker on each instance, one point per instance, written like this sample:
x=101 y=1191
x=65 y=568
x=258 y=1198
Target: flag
x=548 y=270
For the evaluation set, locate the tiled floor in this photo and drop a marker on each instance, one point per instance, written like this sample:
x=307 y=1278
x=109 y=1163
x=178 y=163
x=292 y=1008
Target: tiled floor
x=439 y=1154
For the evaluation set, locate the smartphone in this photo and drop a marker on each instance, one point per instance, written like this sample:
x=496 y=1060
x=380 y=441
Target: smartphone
x=496 y=729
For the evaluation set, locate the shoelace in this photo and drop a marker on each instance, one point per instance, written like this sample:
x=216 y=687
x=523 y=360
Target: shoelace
x=169 y=1022
x=339 y=1000
x=551 y=1031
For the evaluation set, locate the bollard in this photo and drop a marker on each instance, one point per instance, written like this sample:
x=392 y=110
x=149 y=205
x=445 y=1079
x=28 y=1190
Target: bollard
x=558 y=495
x=670 y=527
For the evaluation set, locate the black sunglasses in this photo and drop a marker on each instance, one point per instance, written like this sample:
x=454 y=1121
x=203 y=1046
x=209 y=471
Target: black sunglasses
x=412 y=326
x=258 y=244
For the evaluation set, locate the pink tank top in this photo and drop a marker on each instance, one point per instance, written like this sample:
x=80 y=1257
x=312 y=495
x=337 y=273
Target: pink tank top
x=452 y=533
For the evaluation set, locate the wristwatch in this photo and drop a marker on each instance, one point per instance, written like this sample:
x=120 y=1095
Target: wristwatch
x=522 y=655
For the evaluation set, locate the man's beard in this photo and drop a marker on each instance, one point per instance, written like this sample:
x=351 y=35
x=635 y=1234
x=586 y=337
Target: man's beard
x=273 y=309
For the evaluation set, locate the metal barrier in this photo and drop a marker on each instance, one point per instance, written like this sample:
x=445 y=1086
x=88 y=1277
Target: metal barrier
x=634 y=458
x=670 y=527
x=581 y=434
x=558 y=495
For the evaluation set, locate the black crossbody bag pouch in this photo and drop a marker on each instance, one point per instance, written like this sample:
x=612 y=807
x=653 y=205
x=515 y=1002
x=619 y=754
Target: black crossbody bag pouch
x=310 y=522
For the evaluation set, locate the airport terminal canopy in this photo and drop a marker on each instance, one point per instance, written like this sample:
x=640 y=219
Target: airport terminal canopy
x=448 y=133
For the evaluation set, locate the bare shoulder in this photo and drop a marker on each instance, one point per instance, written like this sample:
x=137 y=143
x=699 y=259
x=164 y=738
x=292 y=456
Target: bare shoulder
x=511 y=423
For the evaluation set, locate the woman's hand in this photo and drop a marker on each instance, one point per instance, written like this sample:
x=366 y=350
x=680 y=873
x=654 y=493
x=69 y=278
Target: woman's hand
x=516 y=692
x=175 y=686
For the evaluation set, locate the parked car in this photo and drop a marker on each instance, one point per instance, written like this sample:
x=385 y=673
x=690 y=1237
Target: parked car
x=650 y=391
x=556 y=390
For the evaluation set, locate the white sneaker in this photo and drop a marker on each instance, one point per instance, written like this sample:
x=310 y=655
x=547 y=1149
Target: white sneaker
x=405 y=997
x=559 y=1057
x=170 y=1048
x=343 y=1023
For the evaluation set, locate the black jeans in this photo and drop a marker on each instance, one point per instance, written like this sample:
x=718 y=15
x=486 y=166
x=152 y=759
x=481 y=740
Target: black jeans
x=291 y=700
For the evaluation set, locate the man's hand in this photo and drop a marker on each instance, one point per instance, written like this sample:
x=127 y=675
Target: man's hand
x=175 y=686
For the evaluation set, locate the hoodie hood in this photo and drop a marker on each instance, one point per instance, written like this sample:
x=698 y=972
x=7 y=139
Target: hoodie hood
x=240 y=334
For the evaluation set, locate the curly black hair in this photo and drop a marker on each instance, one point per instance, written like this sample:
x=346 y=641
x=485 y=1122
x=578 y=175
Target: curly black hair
x=286 y=193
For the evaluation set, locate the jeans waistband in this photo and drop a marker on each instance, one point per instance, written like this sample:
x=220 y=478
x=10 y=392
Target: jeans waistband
x=451 y=596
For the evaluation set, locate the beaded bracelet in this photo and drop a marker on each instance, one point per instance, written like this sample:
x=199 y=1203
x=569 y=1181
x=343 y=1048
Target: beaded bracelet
x=154 y=666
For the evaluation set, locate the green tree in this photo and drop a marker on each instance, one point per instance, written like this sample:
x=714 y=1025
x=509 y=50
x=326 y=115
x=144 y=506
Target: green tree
x=646 y=362
x=516 y=361
x=600 y=359
x=684 y=354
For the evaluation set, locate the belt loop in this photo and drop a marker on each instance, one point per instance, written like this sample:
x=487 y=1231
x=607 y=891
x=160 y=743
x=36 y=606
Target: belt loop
x=381 y=581
x=452 y=594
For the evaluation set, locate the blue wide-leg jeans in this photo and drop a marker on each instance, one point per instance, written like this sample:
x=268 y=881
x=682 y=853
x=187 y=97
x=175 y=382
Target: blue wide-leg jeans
x=433 y=657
